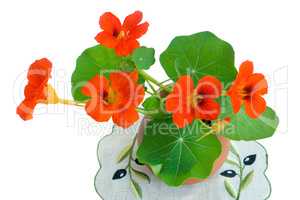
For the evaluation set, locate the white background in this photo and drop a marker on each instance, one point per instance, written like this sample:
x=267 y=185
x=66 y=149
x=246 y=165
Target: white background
x=54 y=155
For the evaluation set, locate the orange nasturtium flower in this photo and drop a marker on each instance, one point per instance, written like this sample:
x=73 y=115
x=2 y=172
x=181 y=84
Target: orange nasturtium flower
x=248 y=89
x=121 y=37
x=36 y=89
x=117 y=97
x=187 y=103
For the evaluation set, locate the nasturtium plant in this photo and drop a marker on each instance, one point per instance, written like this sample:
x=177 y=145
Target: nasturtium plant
x=181 y=153
x=143 y=57
x=242 y=127
x=199 y=55
x=203 y=98
x=96 y=60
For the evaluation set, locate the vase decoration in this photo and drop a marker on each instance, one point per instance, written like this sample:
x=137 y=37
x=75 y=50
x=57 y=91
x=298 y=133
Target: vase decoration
x=192 y=136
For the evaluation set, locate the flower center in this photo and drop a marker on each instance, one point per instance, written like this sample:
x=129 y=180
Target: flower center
x=245 y=92
x=196 y=99
x=115 y=33
x=121 y=35
x=109 y=96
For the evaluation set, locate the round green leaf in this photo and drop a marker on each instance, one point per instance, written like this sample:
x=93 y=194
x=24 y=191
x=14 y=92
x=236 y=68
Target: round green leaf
x=242 y=127
x=154 y=108
x=180 y=153
x=96 y=60
x=199 y=55
x=143 y=57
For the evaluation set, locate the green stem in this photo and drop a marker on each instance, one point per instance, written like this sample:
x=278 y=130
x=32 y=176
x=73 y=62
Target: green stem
x=149 y=92
x=153 y=80
x=149 y=77
x=142 y=111
x=71 y=102
x=151 y=86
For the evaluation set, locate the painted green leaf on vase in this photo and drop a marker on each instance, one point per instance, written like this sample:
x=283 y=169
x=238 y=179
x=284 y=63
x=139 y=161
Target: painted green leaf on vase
x=180 y=153
x=198 y=55
x=230 y=190
x=242 y=127
x=136 y=189
x=93 y=61
x=247 y=180
x=141 y=175
x=124 y=153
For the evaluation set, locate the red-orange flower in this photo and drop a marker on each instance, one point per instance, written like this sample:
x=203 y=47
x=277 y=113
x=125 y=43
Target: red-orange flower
x=121 y=37
x=117 y=97
x=187 y=103
x=248 y=89
x=36 y=88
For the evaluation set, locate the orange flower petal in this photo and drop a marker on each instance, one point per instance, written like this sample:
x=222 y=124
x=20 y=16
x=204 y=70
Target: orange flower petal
x=97 y=85
x=110 y=23
x=139 y=30
x=172 y=103
x=179 y=101
x=38 y=75
x=107 y=39
x=98 y=110
x=258 y=84
x=25 y=109
x=207 y=109
x=236 y=102
x=182 y=120
x=132 y=20
x=139 y=95
x=126 y=118
x=39 y=72
x=184 y=86
x=120 y=81
x=134 y=75
x=255 y=106
x=209 y=87
x=246 y=69
x=126 y=47
x=35 y=92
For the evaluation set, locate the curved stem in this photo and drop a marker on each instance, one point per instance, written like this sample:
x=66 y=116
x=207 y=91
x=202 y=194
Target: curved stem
x=71 y=102
x=151 y=86
x=154 y=81
x=149 y=92
x=142 y=111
